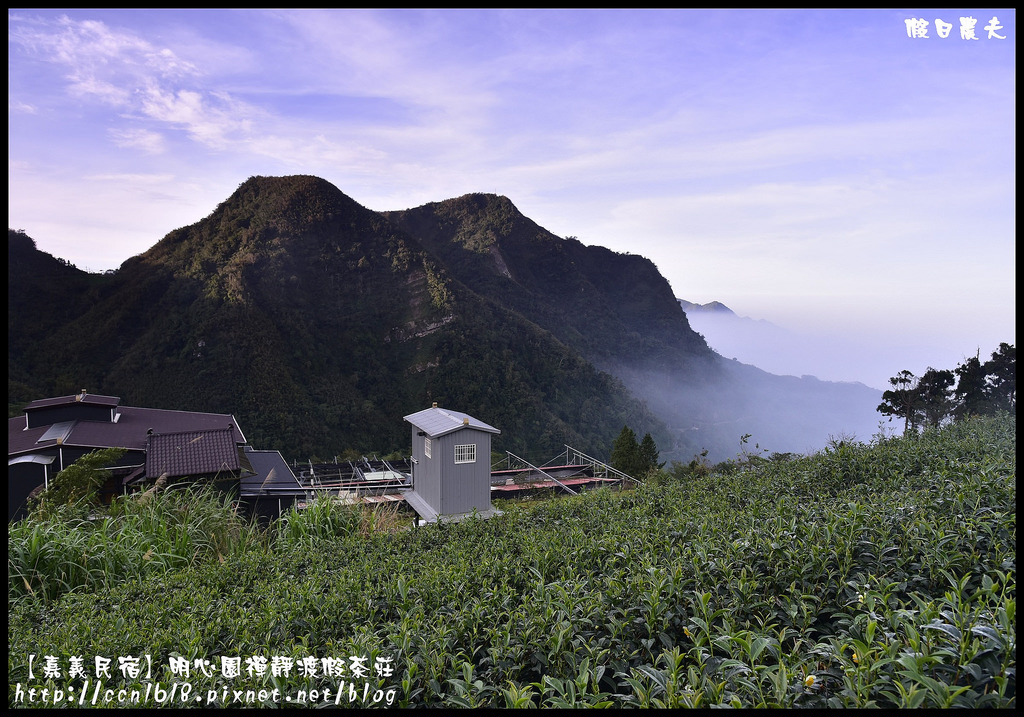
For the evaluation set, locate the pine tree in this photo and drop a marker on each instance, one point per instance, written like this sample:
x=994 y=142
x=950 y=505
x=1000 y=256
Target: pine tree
x=649 y=455
x=626 y=453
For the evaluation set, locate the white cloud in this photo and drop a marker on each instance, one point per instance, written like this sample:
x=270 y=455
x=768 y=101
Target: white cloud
x=21 y=107
x=132 y=178
x=146 y=140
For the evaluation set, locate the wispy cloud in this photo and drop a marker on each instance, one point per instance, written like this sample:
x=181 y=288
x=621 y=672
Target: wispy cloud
x=100 y=62
x=22 y=108
x=142 y=80
x=146 y=140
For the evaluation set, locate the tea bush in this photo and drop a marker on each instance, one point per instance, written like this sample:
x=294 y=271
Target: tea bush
x=869 y=575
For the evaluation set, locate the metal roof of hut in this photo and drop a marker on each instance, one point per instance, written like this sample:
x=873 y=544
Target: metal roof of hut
x=436 y=421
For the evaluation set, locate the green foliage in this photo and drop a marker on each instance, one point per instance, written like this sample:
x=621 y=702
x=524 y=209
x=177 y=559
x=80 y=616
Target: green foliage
x=981 y=389
x=323 y=520
x=649 y=454
x=77 y=486
x=626 y=454
x=935 y=396
x=698 y=467
x=639 y=460
x=1001 y=372
x=971 y=388
x=869 y=575
x=62 y=551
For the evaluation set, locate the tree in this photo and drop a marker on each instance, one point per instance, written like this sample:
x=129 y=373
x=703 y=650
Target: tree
x=901 y=401
x=649 y=455
x=972 y=391
x=626 y=453
x=78 y=484
x=1001 y=376
x=981 y=389
x=935 y=396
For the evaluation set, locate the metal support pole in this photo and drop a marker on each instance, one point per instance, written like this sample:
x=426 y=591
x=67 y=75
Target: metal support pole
x=542 y=472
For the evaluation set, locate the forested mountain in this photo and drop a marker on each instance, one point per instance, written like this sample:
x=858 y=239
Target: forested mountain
x=43 y=293
x=606 y=305
x=622 y=315
x=320 y=323
x=319 y=326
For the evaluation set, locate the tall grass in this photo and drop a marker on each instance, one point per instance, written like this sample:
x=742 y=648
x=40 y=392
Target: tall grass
x=327 y=519
x=324 y=519
x=66 y=551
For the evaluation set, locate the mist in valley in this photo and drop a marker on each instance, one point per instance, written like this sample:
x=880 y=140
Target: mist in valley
x=838 y=350
x=711 y=407
x=786 y=352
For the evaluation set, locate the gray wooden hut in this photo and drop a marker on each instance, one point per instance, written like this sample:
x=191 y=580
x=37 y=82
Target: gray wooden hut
x=451 y=457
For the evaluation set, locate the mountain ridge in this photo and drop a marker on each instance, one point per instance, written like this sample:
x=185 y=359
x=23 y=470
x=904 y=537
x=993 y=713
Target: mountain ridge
x=571 y=289
x=319 y=323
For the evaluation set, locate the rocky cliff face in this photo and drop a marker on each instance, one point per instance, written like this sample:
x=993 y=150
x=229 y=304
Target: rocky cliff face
x=609 y=306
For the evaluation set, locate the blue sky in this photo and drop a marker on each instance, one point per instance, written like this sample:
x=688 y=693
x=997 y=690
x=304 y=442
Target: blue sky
x=822 y=169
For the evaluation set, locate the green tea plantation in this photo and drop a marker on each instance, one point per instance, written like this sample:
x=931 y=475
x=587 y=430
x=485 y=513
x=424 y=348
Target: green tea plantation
x=868 y=575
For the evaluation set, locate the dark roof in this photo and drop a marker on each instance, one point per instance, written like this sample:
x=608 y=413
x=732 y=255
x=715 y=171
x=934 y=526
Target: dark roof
x=90 y=399
x=192 y=453
x=271 y=474
x=128 y=431
x=440 y=421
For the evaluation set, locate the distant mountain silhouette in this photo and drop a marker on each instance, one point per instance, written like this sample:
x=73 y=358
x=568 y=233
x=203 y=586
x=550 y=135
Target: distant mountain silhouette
x=779 y=350
x=713 y=307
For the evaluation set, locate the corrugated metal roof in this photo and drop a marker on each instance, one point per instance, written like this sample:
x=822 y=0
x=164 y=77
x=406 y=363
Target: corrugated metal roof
x=34 y=458
x=80 y=398
x=57 y=432
x=436 y=421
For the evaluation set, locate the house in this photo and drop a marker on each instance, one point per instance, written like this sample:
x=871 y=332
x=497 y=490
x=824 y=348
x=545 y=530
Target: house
x=55 y=432
x=451 y=465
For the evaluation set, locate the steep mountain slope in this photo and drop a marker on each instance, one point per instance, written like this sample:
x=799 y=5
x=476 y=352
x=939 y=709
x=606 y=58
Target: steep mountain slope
x=622 y=315
x=603 y=303
x=319 y=325
x=43 y=292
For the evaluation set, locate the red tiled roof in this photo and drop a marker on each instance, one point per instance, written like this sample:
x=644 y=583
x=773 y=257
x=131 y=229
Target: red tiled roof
x=192 y=453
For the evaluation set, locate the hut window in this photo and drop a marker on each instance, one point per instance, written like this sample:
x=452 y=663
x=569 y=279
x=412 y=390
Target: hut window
x=465 y=454
x=426 y=447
